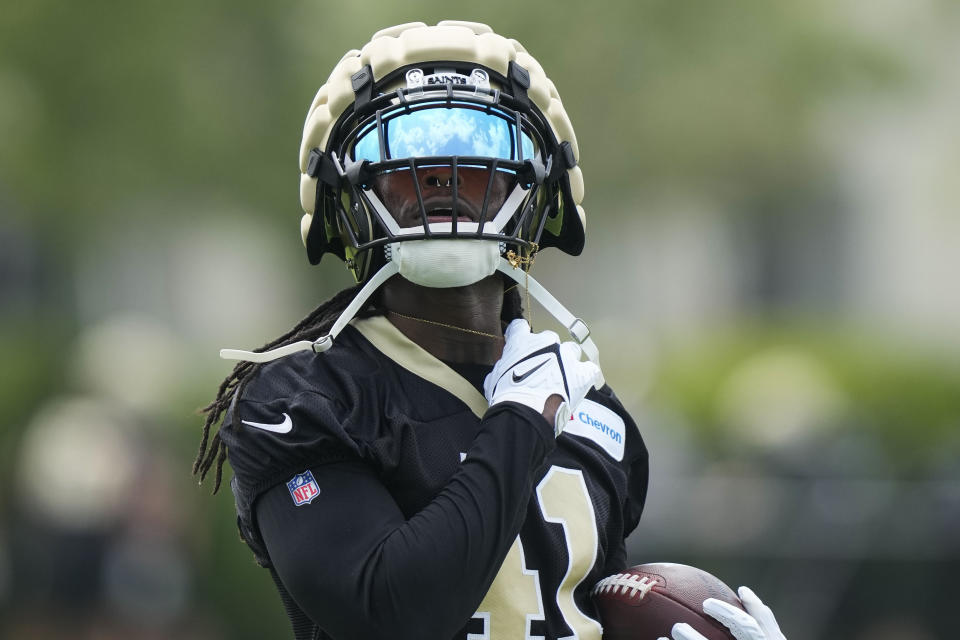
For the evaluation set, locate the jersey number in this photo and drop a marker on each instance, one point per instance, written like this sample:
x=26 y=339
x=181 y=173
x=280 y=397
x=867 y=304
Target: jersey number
x=515 y=599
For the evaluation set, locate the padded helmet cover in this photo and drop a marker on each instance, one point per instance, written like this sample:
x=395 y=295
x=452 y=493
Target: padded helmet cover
x=410 y=44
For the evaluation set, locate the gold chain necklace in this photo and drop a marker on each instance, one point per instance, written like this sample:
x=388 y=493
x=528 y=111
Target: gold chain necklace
x=517 y=260
x=448 y=326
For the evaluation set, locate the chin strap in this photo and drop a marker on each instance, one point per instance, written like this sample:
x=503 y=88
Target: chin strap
x=322 y=343
x=577 y=328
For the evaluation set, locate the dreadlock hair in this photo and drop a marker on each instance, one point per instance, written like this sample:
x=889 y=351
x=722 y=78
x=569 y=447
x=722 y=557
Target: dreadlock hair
x=316 y=324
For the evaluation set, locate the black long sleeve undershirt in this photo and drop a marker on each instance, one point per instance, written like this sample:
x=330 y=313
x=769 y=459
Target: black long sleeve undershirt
x=360 y=569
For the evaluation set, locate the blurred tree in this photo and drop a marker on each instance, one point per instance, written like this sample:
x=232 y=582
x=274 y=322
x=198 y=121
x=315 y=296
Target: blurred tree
x=109 y=104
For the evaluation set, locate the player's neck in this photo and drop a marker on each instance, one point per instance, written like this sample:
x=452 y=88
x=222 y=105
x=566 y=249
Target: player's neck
x=456 y=324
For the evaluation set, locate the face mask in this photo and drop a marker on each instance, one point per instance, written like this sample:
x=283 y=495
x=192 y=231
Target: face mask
x=442 y=263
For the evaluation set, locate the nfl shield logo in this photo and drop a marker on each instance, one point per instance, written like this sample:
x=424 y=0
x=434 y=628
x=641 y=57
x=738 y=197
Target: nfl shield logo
x=303 y=488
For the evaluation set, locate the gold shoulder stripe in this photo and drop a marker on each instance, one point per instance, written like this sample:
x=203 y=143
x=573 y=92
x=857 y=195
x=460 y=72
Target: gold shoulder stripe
x=392 y=343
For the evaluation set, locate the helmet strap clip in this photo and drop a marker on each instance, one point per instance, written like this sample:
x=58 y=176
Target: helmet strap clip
x=321 y=166
x=358 y=172
x=519 y=79
x=533 y=171
x=362 y=83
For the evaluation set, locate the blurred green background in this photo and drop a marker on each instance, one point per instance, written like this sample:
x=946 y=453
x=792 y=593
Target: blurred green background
x=773 y=202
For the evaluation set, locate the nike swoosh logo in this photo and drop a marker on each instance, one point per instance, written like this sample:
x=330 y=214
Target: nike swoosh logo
x=283 y=427
x=523 y=377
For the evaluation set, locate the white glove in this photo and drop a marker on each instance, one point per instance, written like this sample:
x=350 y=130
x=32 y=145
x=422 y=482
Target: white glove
x=757 y=623
x=535 y=366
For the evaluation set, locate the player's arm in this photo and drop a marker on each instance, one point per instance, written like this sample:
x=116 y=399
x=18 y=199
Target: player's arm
x=360 y=569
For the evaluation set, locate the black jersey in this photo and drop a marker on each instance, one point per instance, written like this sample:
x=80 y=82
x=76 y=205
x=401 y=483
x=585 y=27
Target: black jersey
x=380 y=487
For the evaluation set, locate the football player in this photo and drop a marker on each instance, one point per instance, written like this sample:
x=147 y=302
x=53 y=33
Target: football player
x=411 y=460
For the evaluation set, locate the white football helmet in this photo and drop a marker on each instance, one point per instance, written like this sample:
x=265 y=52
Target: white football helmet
x=453 y=108
x=454 y=99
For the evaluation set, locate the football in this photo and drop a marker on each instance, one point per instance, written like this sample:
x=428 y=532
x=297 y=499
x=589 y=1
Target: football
x=645 y=601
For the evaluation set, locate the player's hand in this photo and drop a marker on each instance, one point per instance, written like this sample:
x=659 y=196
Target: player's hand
x=536 y=366
x=757 y=623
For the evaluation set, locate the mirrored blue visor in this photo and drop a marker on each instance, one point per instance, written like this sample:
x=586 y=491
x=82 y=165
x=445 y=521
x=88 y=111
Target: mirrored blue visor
x=445 y=131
